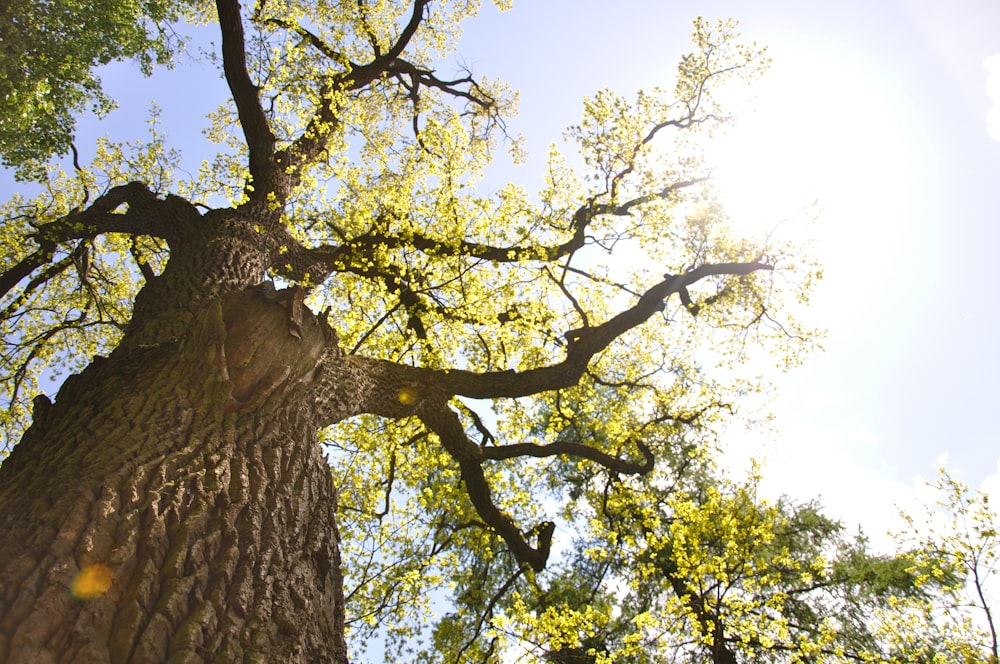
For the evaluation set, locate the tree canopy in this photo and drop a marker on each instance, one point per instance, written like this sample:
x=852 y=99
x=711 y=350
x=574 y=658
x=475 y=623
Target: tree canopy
x=519 y=391
x=47 y=67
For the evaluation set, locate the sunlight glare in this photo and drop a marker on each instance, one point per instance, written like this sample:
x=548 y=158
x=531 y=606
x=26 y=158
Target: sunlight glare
x=824 y=128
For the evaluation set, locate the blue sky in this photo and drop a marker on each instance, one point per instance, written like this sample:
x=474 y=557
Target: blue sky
x=877 y=108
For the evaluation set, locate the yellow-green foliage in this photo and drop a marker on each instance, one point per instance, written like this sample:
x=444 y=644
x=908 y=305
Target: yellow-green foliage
x=434 y=268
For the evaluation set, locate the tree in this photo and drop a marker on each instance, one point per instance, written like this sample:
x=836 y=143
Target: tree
x=710 y=572
x=955 y=548
x=46 y=67
x=173 y=501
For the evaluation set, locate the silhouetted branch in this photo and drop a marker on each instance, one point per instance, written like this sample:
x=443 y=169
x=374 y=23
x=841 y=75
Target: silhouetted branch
x=445 y=423
x=260 y=139
x=99 y=218
x=582 y=344
x=567 y=448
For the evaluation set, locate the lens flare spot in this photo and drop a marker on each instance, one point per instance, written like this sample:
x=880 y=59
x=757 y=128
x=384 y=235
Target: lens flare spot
x=407 y=396
x=91 y=582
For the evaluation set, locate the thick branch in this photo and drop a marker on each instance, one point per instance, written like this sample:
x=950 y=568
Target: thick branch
x=311 y=143
x=395 y=390
x=425 y=77
x=256 y=130
x=445 y=423
x=411 y=385
x=370 y=72
x=41 y=279
x=100 y=218
x=425 y=392
x=583 y=343
x=25 y=267
x=295 y=261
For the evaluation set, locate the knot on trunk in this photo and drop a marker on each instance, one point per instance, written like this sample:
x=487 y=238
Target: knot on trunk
x=272 y=340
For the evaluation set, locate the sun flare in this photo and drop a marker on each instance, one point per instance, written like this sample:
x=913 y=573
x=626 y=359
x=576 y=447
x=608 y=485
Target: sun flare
x=824 y=128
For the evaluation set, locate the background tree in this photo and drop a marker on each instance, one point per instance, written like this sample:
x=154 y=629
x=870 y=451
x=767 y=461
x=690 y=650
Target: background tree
x=955 y=551
x=172 y=503
x=46 y=67
x=701 y=569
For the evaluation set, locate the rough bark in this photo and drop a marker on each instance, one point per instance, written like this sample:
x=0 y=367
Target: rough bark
x=188 y=469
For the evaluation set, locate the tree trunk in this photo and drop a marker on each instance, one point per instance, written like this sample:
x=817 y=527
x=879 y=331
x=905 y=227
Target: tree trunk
x=173 y=504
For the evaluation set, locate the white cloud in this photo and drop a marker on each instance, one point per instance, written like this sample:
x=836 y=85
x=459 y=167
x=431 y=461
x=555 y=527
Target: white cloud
x=992 y=65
